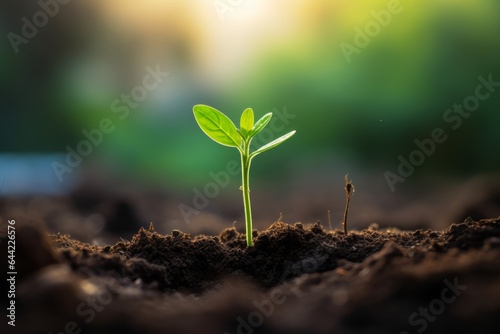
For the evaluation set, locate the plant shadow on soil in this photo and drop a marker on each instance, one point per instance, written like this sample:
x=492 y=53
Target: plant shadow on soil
x=295 y=279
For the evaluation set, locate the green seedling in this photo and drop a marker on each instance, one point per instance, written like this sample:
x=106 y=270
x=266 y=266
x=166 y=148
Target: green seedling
x=221 y=129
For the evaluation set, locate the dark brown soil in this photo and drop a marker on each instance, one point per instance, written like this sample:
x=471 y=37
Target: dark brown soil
x=295 y=279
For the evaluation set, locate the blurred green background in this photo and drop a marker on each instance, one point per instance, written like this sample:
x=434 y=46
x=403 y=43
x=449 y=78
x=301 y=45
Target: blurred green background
x=354 y=113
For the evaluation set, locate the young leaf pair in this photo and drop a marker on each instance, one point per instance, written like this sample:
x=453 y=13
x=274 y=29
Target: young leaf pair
x=221 y=129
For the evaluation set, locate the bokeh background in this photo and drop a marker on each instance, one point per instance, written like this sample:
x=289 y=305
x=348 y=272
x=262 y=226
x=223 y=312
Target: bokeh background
x=353 y=114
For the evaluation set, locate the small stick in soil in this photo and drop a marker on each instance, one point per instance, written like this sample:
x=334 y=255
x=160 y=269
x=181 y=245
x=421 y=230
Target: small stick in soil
x=349 y=190
x=329 y=220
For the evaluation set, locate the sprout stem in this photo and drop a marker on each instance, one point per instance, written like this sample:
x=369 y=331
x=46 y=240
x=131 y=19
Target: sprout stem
x=245 y=172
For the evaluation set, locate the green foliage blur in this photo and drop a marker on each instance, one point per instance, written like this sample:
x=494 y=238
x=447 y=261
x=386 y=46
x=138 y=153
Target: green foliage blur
x=366 y=108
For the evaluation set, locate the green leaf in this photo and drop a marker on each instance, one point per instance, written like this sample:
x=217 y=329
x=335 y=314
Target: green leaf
x=261 y=124
x=216 y=125
x=272 y=144
x=246 y=122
